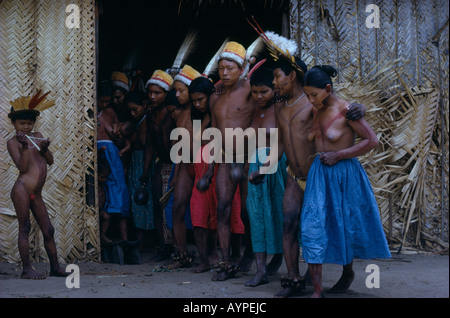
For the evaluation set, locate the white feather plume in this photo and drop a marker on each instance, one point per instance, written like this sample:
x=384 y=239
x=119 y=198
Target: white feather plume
x=212 y=65
x=283 y=43
x=255 y=48
x=185 y=49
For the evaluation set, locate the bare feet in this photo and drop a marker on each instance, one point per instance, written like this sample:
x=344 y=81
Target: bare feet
x=318 y=295
x=181 y=260
x=259 y=279
x=201 y=268
x=221 y=276
x=287 y=292
x=225 y=272
x=58 y=273
x=343 y=283
x=31 y=274
x=292 y=285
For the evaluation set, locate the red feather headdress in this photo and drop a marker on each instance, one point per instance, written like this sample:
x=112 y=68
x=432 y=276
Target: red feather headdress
x=32 y=103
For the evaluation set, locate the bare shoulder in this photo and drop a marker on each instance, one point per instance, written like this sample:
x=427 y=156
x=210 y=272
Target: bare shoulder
x=343 y=105
x=12 y=141
x=12 y=145
x=246 y=83
x=109 y=111
x=213 y=99
x=277 y=107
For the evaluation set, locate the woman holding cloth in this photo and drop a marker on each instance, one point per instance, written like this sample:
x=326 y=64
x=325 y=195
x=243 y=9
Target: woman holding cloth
x=340 y=217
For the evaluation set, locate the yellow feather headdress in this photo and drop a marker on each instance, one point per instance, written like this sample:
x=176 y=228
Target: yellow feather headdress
x=35 y=103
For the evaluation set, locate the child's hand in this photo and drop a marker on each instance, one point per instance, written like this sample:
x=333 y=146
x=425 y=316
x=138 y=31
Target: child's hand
x=22 y=138
x=43 y=144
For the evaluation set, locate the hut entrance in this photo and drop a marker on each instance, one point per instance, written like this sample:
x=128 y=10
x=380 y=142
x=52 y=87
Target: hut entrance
x=138 y=37
x=146 y=35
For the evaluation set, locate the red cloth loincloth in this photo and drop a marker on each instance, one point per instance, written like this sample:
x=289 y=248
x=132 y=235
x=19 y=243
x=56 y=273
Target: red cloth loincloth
x=204 y=204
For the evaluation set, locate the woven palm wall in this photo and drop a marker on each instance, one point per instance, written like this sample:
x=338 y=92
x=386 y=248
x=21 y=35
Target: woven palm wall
x=400 y=72
x=38 y=51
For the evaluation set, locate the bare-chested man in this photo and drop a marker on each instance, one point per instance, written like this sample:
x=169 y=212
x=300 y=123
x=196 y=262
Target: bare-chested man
x=184 y=172
x=231 y=107
x=159 y=125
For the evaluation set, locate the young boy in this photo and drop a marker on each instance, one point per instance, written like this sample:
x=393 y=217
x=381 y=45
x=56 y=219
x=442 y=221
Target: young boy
x=29 y=151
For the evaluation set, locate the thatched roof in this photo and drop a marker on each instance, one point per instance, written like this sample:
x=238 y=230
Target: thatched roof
x=201 y=5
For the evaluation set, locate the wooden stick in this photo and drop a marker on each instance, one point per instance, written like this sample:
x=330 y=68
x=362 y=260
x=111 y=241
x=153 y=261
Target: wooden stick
x=37 y=147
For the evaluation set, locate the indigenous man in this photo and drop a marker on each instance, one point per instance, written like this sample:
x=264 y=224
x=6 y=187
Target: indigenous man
x=120 y=88
x=159 y=125
x=184 y=172
x=231 y=107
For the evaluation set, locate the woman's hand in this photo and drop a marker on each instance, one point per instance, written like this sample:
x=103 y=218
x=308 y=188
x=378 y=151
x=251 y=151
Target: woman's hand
x=330 y=158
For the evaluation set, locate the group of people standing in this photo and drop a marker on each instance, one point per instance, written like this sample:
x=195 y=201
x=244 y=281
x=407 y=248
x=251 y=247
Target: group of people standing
x=317 y=196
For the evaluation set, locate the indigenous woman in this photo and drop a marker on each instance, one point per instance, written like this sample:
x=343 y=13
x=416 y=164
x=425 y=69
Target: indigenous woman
x=340 y=218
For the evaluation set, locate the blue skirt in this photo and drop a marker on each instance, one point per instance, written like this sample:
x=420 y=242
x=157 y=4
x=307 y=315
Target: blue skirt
x=340 y=219
x=117 y=199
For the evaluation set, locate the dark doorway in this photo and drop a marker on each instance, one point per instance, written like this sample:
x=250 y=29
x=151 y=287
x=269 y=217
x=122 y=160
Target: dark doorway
x=146 y=35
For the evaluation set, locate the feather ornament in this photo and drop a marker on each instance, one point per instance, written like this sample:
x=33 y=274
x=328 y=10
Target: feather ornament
x=255 y=49
x=273 y=42
x=35 y=102
x=185 y=49
x=212 y=65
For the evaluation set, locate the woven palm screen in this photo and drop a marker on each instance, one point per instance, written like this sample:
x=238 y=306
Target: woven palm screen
x=400 y=72
x=39 y=51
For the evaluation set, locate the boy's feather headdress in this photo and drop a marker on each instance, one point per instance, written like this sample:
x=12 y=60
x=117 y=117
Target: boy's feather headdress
x=32 y=103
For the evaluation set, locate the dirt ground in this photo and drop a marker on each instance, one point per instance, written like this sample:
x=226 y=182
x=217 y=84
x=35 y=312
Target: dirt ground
x=403 y=276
